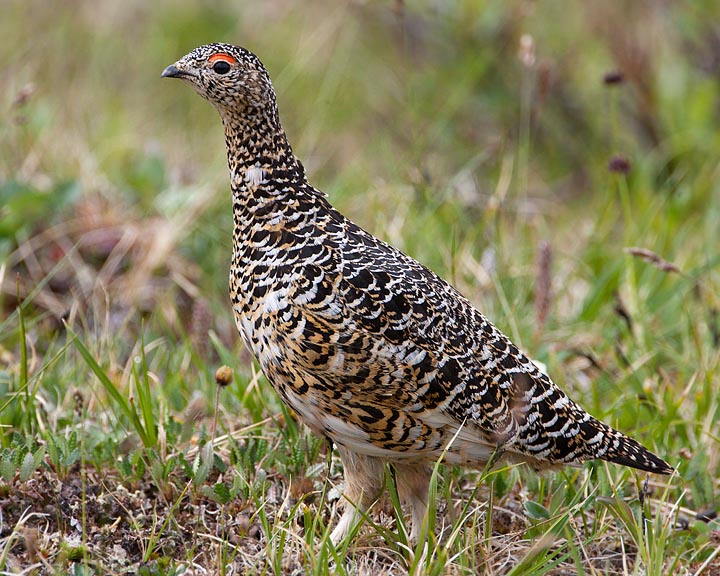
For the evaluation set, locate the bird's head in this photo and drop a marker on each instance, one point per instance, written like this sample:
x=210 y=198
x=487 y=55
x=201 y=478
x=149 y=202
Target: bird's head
x=229 y=77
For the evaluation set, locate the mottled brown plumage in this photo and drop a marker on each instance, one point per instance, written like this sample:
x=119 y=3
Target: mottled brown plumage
x=370 y=348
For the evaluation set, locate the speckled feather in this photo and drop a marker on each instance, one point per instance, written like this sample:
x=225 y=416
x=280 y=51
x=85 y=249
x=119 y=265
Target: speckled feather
x=369 y=347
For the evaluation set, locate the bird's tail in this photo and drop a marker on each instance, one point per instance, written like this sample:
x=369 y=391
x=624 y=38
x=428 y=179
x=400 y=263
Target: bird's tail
x=552 y=428
x=624 y=450
x=559 y=431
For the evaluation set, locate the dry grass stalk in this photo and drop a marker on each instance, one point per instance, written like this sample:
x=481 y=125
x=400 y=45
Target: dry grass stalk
x=543 y=283
x=656 y=260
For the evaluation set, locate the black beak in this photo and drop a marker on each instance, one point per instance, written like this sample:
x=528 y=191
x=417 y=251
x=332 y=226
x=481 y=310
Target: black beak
x=171 y=72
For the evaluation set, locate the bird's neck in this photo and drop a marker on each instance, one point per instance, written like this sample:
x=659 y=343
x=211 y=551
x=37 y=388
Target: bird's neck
x=261 y=162
x=269 y=190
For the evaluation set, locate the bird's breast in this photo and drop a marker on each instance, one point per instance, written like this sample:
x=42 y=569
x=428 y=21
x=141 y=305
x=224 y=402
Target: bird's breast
x=261 y=320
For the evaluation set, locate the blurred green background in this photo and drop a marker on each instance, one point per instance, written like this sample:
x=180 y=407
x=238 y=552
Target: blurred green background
x=393 y=106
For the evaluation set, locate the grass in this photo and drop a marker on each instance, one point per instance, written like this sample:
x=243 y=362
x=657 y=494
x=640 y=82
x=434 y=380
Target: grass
x=492 y=141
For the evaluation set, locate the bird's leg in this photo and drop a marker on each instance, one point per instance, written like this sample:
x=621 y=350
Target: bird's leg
x=413 y=483
x=364 y=477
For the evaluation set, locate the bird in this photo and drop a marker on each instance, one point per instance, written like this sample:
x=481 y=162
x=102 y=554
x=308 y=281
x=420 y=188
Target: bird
x=371 y=349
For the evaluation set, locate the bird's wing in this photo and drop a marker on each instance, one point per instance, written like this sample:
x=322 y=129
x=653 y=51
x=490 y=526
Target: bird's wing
x=405 y=362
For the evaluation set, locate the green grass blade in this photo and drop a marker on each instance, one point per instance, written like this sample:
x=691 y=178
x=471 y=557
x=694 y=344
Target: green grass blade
x=122 y=403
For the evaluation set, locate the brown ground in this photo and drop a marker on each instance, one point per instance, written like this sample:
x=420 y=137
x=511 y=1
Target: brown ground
x=51 y=524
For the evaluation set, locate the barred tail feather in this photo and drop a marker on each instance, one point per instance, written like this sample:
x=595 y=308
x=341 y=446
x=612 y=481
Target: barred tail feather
x=629 y=452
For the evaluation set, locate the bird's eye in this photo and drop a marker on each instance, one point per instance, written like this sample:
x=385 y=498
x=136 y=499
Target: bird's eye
x=221 y=63
x=221 y=67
